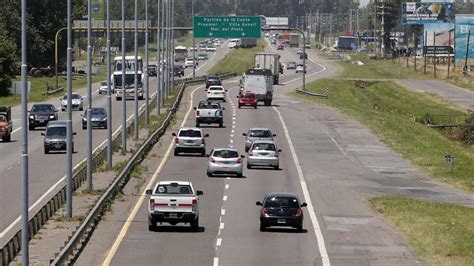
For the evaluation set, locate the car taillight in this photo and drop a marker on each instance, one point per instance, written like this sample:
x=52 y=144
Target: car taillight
x=197 y=113
x=195 y=202
x=152 y=204
x=239 y=160
x=265 y=212
x=276 y=153
x=250 y=152
x=212 y=160
x=203 y=141
x=298 y=212
x=176 y=140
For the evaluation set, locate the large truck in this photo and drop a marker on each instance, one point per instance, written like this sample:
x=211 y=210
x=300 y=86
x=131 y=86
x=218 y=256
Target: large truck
x=294 y=40
x=248 y=42
x=6 y=124
x=260 y=82
x=347 y=43
x=269 y=61
x=129 y=91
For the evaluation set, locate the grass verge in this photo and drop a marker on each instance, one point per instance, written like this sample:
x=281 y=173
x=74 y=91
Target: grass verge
x=237 y=60
x=389 y=111
x=442 y=234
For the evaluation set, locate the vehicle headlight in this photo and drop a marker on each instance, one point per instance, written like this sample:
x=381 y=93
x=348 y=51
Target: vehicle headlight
x=104 y=119
x=51 y=117
x=32 y=117
x=47 y=141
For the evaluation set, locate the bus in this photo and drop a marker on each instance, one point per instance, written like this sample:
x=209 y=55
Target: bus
x=180 y=53
x=130 y=67
x=129 y=63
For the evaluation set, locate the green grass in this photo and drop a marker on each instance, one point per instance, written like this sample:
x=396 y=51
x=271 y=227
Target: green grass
x=38 y=88
x=442 y=234
x=388 y=110
x=237 y=60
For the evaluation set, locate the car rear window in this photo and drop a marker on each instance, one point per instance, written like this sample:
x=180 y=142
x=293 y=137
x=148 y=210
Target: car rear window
x=190 y=133
x=260 y=133
x=209 y=106
x=225 y=154
x=263 y=146
x=249 y=96
x=281 y=202
x=215 y=89
x=174 y=189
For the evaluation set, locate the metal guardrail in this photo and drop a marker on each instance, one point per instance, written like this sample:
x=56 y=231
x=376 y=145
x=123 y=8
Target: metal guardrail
x=311 y=94
x=12 y=247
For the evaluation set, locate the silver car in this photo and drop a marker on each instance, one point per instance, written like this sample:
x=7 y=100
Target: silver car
x=257 y=134
x=190 y=140
x=55 y=137
x=76 y=102
x=225 y=161
x=263 y=153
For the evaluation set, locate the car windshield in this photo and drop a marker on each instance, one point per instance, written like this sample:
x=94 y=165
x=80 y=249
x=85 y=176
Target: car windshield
x=260 y=133
x=281 y=202
x=42 y=108
x=250 y=96
x=209 y=105
x=56 y=131
x=213 y=79
x=103 y=83
x=97 y=111
x=225 y=154
x=263 y=146
x=190 y=133
x=75 y=96
x=3 y=118
x=174 y=189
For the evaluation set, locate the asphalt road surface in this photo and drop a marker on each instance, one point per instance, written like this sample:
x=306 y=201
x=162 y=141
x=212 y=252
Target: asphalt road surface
x=331 y=162
x=47 y=171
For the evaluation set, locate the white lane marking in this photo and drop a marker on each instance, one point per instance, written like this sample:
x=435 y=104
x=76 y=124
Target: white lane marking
x=219 y=242
x=216 y=261
x=231 y=135
x=233 y=122
x=337 y=144
x=228 y=178
x=222 y=211
x=224 y=198
x=227 y=186
x=233 y=126
x=307 y=197
x=232 y=131
x=311 y=74
x=231 y=141
x=143 y=195
x=221 y=226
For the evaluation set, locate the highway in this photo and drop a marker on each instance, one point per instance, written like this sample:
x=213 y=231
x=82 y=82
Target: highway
x=46 y=171
x=330 y=161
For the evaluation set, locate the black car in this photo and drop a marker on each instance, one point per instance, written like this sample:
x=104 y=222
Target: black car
x=281 y=209
x=213 y=80
x=291 y=65
x=152 y=70
x=98 y=118
x=40 y=114
x=305 y=56
x=178 y=71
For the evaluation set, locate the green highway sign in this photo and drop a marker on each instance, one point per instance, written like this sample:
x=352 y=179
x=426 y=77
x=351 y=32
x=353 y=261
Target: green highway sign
x=227 y=27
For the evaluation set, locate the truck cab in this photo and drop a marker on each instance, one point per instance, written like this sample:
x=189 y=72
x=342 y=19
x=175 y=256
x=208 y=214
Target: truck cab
x=6 y=123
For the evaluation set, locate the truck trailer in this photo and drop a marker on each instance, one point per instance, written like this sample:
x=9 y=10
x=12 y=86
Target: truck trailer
x=269 y=61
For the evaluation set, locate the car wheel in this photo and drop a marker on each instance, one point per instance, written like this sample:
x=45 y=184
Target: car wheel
x=31 y=127
x=255 y=107
x=209 y=174
x=81 y=109
x=195 y=224
x=239 y=106
x=262 y=227
x=84 y=127
x=239 y=175
x=46 y=150
x=176 y=153
x=203 y=153
x=198 y=124
x=9 y=138
x=63 y=109
x=224 y=100
x=276 y=167
x=220 y=124
x=249 y=166
x=151 y=226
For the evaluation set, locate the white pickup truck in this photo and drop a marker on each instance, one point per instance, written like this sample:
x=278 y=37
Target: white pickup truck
x=208 y=112
x=173 y=202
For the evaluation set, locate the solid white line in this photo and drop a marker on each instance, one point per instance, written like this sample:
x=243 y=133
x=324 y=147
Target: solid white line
x=141 y=199
x=221 y=226
x=224 y=198
x=307 y=197
x=219 y=242
x=216 y=261
x=222 y=211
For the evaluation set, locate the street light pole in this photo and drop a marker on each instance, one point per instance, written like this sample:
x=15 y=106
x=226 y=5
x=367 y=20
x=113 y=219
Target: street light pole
x=124 y=105
x=24 y=140
x=89 y=97
x=147 y=80
x=158 y=57
x=135 y=95
x=172 y=45
x=163 y=55
x=109 y=96
x=69 y=113
x=194 y=48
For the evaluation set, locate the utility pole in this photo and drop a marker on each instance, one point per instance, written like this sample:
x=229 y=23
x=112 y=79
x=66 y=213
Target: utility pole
x=375 y=32
x=382 y=42
x=159 y=37
x=147 y=62
x=350 y=20
x=124 y=105
x=109 y=96
x=89 y=96
x=135 y=95
x=194 y=43
x=69 y=113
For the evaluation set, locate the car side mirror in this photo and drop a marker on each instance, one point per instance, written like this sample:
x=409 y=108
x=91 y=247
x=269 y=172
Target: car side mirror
x=279 y=150
x=173 y=134
x=226 y=90
x=244 y=134
x=149 y=192
x=223 y=108
x=42 y=134
x=74 y=133
x=195 y=108
x=274 y=135
x=238 y=96
x=199 y=193
x=258 y=203
x=304 y=204
x=242 y=156
x=207 y=135
x=60 y=99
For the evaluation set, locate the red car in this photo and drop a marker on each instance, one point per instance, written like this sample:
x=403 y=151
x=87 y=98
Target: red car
x=280 y=47
x=248 y=98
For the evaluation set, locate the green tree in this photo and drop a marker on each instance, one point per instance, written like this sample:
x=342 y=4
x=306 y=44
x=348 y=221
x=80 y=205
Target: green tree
x=8 y=62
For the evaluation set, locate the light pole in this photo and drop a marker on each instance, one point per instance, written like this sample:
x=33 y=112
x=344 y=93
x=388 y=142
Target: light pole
x=135 y=95
x=194 y=48
x=69 y=113
x=163 y=55
x=89 y=97
x=124 y=105
x=172 y=45
x=147 y=80
x=24 y=140
x=158 y=57
x=109 y=96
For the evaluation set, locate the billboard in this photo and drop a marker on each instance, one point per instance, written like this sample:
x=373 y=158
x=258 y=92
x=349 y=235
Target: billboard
x=464 y=24
x=441 y=36
x=427 y=12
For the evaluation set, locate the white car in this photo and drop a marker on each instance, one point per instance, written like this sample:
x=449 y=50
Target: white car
x=173 y=202
x=216 y=93
x=232 y=45
x=76 y=102
x=103 y=87
x=189 y=62
x=263 y=153
x=300 y=68
x=190 y=140
x=211 y=48
x=225 y=161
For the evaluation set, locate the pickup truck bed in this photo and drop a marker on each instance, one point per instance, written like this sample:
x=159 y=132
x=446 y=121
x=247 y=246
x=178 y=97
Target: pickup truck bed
x=208 y=113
